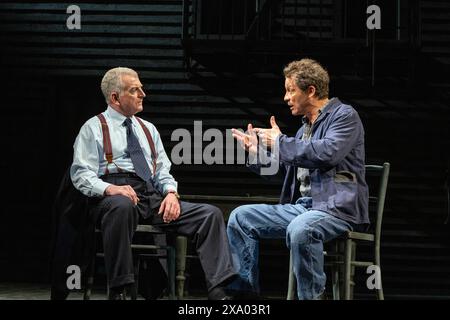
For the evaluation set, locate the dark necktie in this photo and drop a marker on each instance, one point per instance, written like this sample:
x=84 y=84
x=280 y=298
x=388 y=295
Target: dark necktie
x=136 y=154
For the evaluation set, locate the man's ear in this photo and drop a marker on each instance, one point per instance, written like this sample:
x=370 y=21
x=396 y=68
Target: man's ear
x=114 y=97
x=311 y=91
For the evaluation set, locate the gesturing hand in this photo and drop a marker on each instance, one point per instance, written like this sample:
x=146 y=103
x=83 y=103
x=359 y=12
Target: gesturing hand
x=248 y=140
x=170 y=207
x=269 y=136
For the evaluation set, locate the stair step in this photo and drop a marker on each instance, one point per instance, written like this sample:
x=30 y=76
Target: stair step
x=444 y=38
x=89 y=18
x=437 y=50
x=432 y=5
x=170 y=7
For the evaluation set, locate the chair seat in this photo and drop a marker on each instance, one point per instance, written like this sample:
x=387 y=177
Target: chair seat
x=148 y=247
x=359 y=236
x=148 y=228
x=143 y=228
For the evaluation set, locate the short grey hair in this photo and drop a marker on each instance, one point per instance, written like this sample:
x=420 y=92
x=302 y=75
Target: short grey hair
x=112 y=81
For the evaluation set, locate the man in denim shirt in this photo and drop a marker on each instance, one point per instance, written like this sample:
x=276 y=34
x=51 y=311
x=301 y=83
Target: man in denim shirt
x=324 y=193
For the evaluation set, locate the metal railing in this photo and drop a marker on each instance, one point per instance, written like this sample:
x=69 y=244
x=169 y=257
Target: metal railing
x=321 y=20
x=305 y=20
x=257 y=19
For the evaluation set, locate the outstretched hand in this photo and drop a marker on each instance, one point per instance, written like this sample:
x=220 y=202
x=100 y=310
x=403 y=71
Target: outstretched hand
x=269 y=136
x=248 y=140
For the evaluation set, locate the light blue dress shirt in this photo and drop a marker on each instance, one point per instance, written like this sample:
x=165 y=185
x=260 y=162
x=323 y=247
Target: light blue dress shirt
x=89 y=160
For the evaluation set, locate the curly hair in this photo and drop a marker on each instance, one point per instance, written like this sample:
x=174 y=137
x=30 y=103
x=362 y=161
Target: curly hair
x=308 y=72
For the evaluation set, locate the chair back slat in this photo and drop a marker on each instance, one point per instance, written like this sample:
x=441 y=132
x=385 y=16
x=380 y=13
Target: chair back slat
x=377 y=179
x=382 y=188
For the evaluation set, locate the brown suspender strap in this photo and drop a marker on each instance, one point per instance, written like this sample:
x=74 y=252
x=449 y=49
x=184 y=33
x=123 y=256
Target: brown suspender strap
x=150 y=142
x=106 y=141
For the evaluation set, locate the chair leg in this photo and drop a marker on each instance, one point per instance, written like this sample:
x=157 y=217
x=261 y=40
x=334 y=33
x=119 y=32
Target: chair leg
x=347 y=268
x=335 y=269
x=89 y=280
x=181 y=248
x=352 y=270
x=291 y=281
x=134 y=287
x=335 y=282
x=380 y=294
x=171 y=272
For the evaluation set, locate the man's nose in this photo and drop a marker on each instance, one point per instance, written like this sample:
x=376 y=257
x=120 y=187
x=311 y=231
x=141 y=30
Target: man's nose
x=142 y=93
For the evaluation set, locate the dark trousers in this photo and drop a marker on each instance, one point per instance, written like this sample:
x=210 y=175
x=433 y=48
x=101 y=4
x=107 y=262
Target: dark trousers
x=117 y=218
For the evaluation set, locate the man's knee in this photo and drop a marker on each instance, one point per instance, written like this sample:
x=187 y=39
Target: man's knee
x=238 y=216
x=119 y=207
x=301 y=233
x=121 y=203
x=215 y=215
x=214 y=211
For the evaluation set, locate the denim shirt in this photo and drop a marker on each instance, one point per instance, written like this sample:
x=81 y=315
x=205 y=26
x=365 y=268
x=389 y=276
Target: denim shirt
x=335 y=157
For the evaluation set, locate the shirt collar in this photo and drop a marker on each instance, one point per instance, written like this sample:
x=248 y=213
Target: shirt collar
x=325 y=109
x=116 y=116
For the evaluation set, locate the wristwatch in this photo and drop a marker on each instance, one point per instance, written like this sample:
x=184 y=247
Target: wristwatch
x=174 y=192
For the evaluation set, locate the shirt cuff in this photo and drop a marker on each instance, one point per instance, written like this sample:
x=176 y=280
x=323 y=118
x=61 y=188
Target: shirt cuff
x=98 y=189
x=169 y=187
x=275 y=152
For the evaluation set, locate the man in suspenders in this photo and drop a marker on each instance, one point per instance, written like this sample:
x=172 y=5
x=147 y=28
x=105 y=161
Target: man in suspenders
x=119 y=162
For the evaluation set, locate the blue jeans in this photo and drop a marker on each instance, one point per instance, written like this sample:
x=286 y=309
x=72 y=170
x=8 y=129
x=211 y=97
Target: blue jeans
x=305 y=232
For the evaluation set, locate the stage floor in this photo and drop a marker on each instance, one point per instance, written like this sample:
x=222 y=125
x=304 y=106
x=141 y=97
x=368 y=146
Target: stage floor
x=29 y=291
x=33 y=291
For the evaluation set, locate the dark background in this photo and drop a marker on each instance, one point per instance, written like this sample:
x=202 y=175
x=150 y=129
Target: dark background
x=221 y=62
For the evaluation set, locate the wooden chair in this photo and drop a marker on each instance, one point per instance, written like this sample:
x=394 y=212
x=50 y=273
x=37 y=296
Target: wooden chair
x=342 y=258
x=175 y=255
